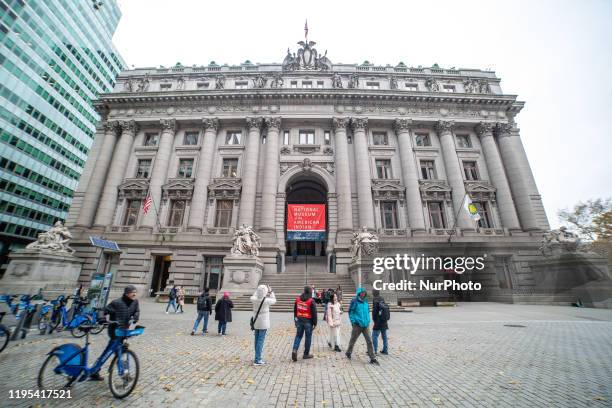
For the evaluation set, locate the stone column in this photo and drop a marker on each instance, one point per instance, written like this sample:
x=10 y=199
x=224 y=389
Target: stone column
x=96 y=181
x=498 y=176
x=246 y=215
x=519 y=174
x=159 y=172
x=203 y=176
x=364 y=177
x=115 y=174
x=454 y=173
x=343 y=179
x=409 y=174
x=271 y=171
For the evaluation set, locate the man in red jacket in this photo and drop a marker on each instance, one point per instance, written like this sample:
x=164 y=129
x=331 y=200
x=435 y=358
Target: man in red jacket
x=305 y=317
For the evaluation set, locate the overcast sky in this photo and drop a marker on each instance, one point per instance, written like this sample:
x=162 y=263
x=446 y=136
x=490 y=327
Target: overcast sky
x=555 y=55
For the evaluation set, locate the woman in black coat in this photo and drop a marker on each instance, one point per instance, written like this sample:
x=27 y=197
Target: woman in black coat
x=223 y=312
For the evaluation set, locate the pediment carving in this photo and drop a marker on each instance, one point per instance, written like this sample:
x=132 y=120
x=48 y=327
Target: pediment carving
x=133 y=189
x=434 y=190
x=178 y=189
x=225 y=188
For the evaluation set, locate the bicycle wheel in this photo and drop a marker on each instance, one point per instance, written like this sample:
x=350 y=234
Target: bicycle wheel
x=4 y=337
x=77 y=332
x=122 y=385
x=43 y=324
x=54 y=322
x=97 y=328
x=49 y=379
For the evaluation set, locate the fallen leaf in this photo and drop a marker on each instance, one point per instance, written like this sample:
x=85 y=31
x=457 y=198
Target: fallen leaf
x=167 y=387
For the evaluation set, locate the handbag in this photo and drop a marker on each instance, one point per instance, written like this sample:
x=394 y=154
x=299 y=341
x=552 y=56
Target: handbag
x=254 y=319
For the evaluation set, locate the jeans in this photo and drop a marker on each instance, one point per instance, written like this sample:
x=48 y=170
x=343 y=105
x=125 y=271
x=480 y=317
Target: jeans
x=357 y=330
x=375 y=334
x=222 y=326
x=260 y=336
x=171 y=302
x=202 y=315
x=303 y=327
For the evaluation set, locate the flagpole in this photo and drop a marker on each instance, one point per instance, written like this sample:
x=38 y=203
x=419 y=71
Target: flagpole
x=157 y=223
x=457 y=216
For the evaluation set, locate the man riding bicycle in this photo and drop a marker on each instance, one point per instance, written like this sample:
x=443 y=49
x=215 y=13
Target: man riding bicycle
x=121 y=312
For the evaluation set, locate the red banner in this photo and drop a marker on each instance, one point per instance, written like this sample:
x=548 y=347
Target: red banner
x=306 y=217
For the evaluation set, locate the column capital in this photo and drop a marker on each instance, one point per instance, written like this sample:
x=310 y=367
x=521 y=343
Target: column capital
x=211 y=123
x=340 y=123
x=254 y=123
x=112 y=127
x=359 y=123
x=129 y=126
x=168 y=125
x=443 y=126
x=402 y=125
x=273 y=122
x=503 y=129
x=484 y=129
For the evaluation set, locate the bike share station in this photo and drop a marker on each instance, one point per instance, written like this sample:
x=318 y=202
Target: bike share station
x=102 y=279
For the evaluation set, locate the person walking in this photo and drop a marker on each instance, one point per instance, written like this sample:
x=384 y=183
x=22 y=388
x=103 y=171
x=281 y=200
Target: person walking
x=262 y=299
x=171 y=299
x=334 y=320
x=223 y=313
x=204 y=306
x=359 y=315
x=339 y=293
x=305 y=318
x=380 y=315
x=180 y=296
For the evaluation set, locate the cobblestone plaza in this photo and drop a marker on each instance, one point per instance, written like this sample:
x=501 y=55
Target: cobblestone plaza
x=475 y=354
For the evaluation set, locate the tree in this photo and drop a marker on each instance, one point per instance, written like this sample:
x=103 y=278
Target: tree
x=591 y=220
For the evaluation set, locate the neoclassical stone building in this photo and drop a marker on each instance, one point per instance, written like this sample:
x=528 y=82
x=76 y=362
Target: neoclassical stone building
x=394 y=149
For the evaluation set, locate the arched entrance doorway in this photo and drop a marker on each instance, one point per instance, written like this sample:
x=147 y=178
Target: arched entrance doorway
x=306 y=190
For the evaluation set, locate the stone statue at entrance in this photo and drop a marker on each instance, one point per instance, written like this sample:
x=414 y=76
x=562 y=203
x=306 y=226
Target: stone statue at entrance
x=560 y=240
x=246 y=242
x=54 y=240
x=363 y=241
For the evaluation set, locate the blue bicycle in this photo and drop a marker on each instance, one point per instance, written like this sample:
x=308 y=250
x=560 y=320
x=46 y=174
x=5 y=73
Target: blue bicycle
x=59 y=318
x=5 y=334
x=67 y=363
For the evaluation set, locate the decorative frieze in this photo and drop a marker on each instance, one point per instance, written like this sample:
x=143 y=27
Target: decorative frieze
x=227 y=188
x=178 y=189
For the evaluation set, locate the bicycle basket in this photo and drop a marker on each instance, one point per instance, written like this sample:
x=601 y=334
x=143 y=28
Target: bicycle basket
x=129 y=333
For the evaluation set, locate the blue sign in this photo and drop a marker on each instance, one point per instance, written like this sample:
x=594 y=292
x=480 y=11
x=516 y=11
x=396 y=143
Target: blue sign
x=305 y=235
x=102 y=243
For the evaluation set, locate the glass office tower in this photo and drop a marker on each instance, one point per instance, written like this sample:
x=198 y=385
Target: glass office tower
x=56 y=56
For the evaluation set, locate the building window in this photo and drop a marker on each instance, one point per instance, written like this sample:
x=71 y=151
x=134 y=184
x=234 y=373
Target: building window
x=165 y=87
x=470 y=170
x=428 y=170
x=319 y=84
x=233 y=138
x=230 y=168
x=372 y=85
x=131 y=212
x=380 y=138
x=327 y=137
x=422 y=139
x=223 y=216
x=436 y=214
x=177 y=211
x=242 y=84
x=294 y=84
x=286 y=137
x=412 y=87
x=203 y=85
x=306 y=84
x=151 y=139
x=213 y=275
x=185 y=169
x=144 y=168
x=448 y=88
x=190 y=139
x=383 y=169
x=485 y=217
x=388 y=214
x=307 y=137
x=464 y=141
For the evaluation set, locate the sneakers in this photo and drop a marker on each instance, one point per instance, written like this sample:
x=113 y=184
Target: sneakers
x=329 y=344
x=192 y=333
x=95 y=377
x=386 y=353
x=259 y=363
x=166 y=312
x=294 y=355
x=337 y=348
x=348 y=355
x=307 y=356
x=374 y=361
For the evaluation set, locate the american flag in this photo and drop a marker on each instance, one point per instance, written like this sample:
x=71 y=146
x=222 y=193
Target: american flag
x=147 y=204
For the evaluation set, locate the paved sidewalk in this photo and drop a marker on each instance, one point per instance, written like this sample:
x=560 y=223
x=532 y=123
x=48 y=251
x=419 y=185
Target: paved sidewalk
x=464 y=356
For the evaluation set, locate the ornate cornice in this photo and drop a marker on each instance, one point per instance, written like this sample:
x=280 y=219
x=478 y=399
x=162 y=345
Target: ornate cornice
x=484 y=129
x=402 y=125
x=168 y=125
x=340 y=123
x=443 y=126
x=359 y=123
x=211 y=123
x=254 y=123
x=273 y=122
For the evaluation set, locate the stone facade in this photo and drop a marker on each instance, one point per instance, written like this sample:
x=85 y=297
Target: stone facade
x=394 y=149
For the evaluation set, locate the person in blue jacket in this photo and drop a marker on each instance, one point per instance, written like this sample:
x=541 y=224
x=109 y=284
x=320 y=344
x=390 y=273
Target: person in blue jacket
x=359 y=315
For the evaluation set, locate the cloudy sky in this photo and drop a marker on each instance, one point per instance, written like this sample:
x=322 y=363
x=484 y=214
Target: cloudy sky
x=555 y=55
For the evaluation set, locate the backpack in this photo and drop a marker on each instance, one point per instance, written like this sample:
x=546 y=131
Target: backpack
x=383 y=311
x=202 y=302
x=173 y=293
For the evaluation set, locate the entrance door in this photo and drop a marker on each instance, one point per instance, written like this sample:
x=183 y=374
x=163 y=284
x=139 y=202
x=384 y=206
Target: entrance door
x=161 y=274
